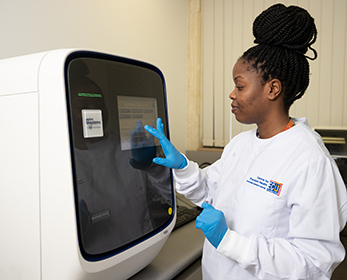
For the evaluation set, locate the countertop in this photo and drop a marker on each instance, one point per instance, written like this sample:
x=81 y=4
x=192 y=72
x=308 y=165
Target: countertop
x=182 y=248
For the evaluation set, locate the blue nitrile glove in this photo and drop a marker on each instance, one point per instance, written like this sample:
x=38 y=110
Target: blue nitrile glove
x=212 y=223
x=143 y=149
x=174 y=159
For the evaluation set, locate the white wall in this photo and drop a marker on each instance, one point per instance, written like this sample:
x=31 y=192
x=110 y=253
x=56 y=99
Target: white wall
x=155 y=31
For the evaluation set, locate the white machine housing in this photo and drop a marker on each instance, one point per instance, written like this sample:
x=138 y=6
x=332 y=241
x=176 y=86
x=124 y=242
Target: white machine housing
x=39 y=234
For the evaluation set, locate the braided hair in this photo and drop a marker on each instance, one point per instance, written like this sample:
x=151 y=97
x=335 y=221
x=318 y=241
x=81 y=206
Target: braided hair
x=283 y=36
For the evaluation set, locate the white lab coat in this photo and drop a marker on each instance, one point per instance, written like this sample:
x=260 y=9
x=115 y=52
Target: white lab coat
x=284 y=201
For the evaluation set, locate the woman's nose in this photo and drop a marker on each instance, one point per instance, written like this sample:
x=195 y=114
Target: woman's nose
x=232 y=95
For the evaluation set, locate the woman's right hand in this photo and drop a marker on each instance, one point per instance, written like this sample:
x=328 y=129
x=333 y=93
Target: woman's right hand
x=173 y=158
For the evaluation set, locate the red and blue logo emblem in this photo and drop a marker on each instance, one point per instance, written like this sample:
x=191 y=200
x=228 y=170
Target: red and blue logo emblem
x=274 y=187
x=270 y=186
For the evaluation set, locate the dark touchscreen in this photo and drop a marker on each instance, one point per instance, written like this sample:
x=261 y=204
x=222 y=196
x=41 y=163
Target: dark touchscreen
x=121 y=196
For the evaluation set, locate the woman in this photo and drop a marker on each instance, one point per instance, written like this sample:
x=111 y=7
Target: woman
x=275 y=200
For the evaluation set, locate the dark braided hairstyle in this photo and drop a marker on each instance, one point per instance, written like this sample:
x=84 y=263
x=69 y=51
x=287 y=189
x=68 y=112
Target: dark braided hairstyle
x=284 y=35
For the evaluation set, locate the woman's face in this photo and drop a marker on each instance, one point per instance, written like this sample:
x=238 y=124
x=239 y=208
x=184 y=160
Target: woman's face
x=249 y=98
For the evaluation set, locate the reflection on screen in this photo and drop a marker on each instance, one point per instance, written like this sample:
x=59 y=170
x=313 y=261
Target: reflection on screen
x=121 y=197
x=131 y=110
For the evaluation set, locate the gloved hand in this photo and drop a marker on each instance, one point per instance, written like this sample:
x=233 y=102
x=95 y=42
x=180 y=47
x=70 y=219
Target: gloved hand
x=143 y=149
x=174 y=159
x=212 y=223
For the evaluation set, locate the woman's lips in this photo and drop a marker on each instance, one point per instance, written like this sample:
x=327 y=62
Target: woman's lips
x=233 y=109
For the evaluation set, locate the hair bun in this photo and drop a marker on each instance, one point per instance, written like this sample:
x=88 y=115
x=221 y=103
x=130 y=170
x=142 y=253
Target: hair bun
x=290 y=27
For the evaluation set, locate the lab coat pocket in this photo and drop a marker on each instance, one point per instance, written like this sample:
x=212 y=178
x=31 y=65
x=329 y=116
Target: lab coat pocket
x=256 y=211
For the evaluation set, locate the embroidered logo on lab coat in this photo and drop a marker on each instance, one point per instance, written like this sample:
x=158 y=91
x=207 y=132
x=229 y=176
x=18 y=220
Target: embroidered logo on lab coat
x=274 y=187
x=267 y=185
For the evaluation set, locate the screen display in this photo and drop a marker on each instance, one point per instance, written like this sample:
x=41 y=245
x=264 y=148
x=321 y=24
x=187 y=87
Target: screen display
x=121 y=197
x=133 y=113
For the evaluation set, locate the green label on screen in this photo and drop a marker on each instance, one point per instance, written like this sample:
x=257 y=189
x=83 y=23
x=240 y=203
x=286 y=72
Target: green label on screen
x=81 y=94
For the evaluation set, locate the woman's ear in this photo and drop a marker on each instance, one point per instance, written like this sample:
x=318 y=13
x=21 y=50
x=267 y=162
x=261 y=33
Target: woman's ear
x=275 y=89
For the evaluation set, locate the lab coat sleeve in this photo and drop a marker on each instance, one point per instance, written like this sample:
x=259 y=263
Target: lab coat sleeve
x=198 y=185
x=312 y=249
